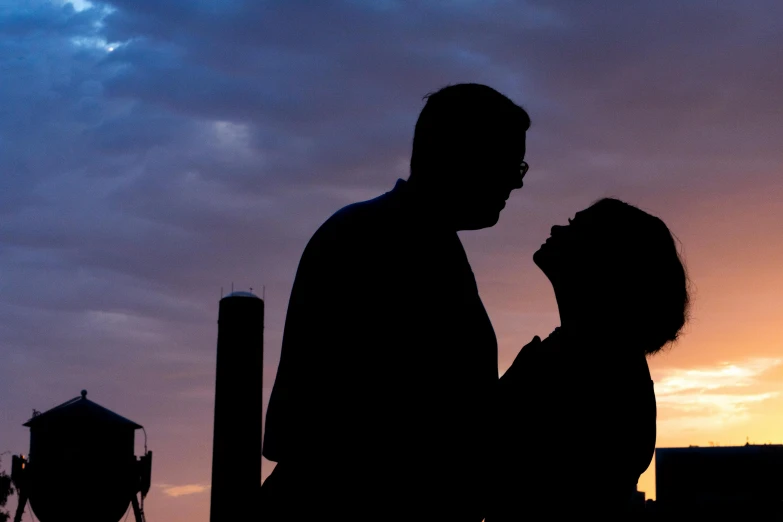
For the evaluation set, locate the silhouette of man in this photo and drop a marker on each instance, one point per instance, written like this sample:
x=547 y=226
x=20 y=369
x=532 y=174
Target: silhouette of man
x=381 y=400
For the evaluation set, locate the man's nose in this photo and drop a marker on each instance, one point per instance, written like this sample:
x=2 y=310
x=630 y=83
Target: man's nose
x=556 y=229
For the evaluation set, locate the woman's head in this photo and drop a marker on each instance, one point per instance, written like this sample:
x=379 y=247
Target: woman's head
x=616 y=266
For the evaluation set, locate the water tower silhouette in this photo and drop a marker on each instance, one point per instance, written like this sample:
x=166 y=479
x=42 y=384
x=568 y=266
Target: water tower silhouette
x=81 y=465
x=236 y=446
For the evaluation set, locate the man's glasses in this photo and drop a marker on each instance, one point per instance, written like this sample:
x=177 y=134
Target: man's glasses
x=523 y=168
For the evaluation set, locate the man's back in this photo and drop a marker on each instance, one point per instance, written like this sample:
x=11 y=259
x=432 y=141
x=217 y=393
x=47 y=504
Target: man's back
x=388 y=360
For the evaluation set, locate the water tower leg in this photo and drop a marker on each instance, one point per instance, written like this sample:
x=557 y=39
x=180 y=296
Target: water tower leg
x=19 y=474
x=137 y=510
x=20 y=506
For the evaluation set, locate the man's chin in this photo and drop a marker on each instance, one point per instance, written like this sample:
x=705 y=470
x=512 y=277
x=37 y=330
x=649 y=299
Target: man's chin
x=478 y=222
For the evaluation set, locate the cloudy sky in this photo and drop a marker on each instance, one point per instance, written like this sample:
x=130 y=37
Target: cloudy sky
x=153 y=152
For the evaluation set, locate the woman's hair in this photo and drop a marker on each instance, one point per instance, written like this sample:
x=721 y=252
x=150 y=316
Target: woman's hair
x=636 y=264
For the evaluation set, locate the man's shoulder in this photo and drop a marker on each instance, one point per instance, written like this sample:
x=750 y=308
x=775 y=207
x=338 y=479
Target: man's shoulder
x=363 y=213
x=360 y=221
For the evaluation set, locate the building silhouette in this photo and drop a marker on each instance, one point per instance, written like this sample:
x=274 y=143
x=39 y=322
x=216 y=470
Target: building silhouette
x=236 y=449
x=719 y=483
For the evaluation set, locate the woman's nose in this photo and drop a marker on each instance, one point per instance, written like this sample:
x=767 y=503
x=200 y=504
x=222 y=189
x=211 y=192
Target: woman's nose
x=556 y=229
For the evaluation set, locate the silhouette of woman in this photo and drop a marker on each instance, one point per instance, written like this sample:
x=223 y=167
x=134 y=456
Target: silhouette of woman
x=581 y=402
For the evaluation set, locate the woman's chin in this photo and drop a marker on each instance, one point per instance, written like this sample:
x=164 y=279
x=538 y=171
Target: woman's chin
x=544 y=258
x=539 y=256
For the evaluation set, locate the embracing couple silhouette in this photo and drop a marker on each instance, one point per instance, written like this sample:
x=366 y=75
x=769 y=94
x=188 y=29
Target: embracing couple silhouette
x=387 y=403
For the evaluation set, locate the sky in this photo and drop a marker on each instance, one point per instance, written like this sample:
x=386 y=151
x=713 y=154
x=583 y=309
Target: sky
x=153 y=152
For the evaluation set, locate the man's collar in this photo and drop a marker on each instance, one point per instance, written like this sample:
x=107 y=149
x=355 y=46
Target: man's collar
x=419 y=206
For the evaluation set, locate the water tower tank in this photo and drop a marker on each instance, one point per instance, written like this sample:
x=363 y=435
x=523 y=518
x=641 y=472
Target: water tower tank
x=81 y=464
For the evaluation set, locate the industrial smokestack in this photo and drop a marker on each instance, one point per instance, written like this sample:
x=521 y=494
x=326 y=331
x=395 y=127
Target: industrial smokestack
x=236 y=446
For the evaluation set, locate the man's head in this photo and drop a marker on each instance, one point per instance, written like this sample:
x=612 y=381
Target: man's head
x=468 y=152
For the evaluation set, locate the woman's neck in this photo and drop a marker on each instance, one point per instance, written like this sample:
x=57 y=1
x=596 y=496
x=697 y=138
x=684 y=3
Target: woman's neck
x=583 y=327
x=577 y=319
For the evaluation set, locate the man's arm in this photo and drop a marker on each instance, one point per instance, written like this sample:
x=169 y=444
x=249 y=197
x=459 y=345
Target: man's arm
x=297 y=415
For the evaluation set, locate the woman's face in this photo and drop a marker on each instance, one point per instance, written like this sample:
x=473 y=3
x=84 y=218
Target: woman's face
x=570 y=248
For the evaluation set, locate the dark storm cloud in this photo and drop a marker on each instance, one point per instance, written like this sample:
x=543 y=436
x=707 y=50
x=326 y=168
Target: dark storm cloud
x=152 y=151
x=333 y=85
